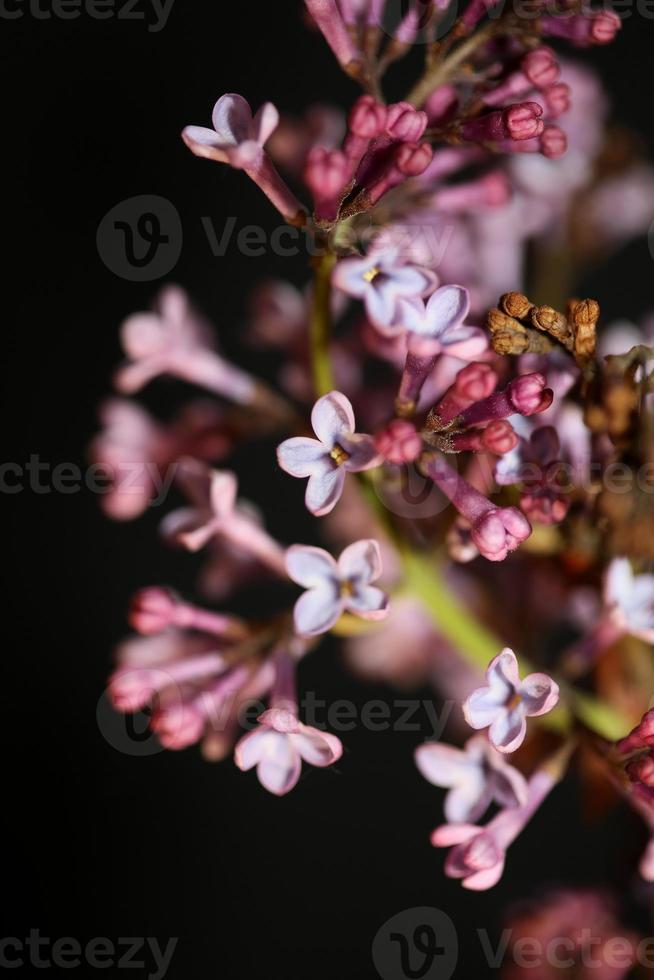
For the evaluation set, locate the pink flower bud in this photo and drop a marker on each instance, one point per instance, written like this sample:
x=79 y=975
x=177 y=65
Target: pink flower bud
x=441 y=104
x=152 y=611
x=605 y=25
x=541 y=67
x=399 y=442
x=528 y=394
x=179 y=726
x=500 y=438
x=412 y=159
x=325 y=172
x=553 y=142
x=476 y=381
x=500 y=531
x=557 y=99
x=405 y=122
x=367 y=118
x=523 y=120
x=583 y=30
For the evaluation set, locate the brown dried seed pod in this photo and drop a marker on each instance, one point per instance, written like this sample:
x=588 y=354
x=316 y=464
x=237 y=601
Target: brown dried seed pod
x=516 y=304
x=499 y=322
x=550 y=321
x=584 y=317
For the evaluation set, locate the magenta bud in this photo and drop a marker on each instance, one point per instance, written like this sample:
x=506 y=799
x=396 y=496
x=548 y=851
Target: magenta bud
x=500 y=438
x=367 y=118
x=152 y=611
x=605 y=25
x=641 y=770
x=528 y=394
x=405 y=122
x=476 y=381
x=541 y=67
x=412 y=159
x=399 y=442
x=553 y=142
x=500 y=531
x=557 y=99
x=325 y=172
x=442 y=104
x=523 y=120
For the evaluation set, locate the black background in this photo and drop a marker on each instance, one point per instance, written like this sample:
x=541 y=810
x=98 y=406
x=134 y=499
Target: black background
x=99 y=843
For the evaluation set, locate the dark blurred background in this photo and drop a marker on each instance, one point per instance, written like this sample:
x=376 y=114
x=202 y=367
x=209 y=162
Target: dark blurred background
x=98 y=843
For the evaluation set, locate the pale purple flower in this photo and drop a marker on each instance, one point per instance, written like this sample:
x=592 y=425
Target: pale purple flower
x=478 y=855
x=279 y=744
x=630 y=599
x=214 y=513
x=381 y=279
x=437 y=325
x=337 y=450
x=174 y=340
x=476 y=776
x=504 y=706
x=238 y=138
x=335 y=587
x=280 y=741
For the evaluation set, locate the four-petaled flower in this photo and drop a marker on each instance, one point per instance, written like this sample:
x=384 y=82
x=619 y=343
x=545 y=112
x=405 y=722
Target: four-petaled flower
x=507 y=702
x=277 y=747
x=381 y=279
x=476 y=776
x=325 y=460
x=436 y=326
x=630 y=599
x=237 y=137
x=334 y=587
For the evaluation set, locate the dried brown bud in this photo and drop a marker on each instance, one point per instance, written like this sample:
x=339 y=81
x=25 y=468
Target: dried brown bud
x=497 y=321
x=550 y=321
x=584 y=317
x=516 y=305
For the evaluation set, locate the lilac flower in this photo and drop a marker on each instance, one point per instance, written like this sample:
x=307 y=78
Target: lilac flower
x=238 y=138
x=334 y=587
x=475 y=776
x=630 y=599
x=174 y=340
x=329 y=20
x=337 y=450
x=381 y=280
x=495 y=531
x=478 y=855
x=507 y=702
x=280 y=741
x=214 y=512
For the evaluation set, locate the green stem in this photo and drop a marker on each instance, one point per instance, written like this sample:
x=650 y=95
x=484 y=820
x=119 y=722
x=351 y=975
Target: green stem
x=321 y=325
x=441 y=70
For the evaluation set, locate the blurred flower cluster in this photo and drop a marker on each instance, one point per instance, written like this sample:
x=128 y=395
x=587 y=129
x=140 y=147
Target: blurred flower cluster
x=475 y=445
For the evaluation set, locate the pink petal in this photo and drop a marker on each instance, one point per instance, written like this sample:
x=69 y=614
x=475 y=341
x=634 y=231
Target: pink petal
x=465 y=343
x=232 y=119
x=324 y=491
x=349 y=276
x=143 y=335
x=204 y=143
x=481 y=881
x=411 y=314
x=540 y=694
x=310 y=567
x=280 y=767
x=332 y=417
x=361 y=562
x=454 y=834
x=318 y=748
x=482 y=707
x=619 y=582
x=442 y=765
x=507 y=733
x=317 y=610
x=503 y=673
x=301 y=456
x=266 y=122
x=224 y=488
x=251 y=748
x=469 y=800
x=510 y=786
x=382 y=303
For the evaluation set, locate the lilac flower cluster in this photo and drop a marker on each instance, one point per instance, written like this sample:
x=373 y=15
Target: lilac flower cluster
x=409 y=367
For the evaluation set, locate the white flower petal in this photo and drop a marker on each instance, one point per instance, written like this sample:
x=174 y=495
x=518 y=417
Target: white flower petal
x=280 y=767
x=310 y=567
x=539 y=694
x=316 y=747
x=369 y=602
x=447 y=308
x=349 y=276
x=301 y=456
x=332 y=417
x=251 y=748
x=360 y=562
x=317 y=610
x=443 y=765
x=507 y=733
x=232 y=119
x=265 y=123
x=324 y=491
